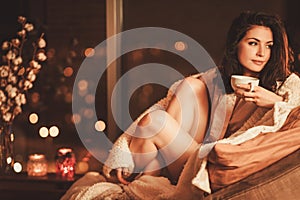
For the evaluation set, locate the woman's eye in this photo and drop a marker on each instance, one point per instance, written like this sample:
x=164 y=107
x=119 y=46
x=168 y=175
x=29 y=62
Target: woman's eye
x=252 y=43
x=269 y=46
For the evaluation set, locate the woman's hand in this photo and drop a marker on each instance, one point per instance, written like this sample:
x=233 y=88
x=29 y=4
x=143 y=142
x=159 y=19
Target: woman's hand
x=258 y=95
x=123 y=173
x=115 y=175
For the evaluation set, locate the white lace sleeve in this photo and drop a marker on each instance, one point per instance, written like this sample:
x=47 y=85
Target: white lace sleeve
x=120 y=156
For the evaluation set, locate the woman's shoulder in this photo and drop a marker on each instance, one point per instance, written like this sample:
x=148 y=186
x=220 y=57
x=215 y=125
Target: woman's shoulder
x=212 y=72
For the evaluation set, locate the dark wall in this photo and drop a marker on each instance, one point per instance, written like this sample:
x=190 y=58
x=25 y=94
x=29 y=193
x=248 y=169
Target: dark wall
x=207 y=22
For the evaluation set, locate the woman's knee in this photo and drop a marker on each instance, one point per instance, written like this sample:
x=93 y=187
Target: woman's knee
x=194 y=86
x=151 y=123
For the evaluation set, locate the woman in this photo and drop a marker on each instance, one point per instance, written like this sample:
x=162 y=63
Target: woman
x=164 y=139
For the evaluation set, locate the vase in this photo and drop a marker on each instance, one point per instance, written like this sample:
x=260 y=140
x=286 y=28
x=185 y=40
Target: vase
x=6 y=149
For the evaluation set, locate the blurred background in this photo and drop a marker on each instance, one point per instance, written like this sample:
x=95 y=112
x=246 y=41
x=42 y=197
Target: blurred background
x=74 y=27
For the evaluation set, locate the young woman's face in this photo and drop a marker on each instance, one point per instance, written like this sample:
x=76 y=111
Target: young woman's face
x=254 y=50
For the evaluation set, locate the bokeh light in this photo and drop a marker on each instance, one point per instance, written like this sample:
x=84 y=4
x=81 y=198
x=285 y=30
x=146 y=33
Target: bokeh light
x=88 y=113
x=83 y=85
x=100 y=125
x=180 y=46
x=89 y=99
x=35 y=97
x=82 y=167
x=76 y=118
x=89 y=52
x=44 y=132
x=68 y=71
x=33 y=118
x=54 y=131
x=8 y=160
x=17 y=167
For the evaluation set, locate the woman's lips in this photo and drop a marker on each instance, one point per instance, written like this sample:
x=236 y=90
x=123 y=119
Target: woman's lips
x=258 y=62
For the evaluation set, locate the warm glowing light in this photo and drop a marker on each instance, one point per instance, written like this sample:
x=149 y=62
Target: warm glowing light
x=76 y=118
x=37 y=165
x=33 y=118
x=89 y=98
x=65 y=162
x=43 y=132
x=53 y=131
x=83 y=167
x=89 y=52
x=68 y=71
x=100 y=125
x=8 y=160
x=12 y=137
x=68 y=97
x=35 y=97
x=50 y=53
x=82 y=93
x=88 y=113
x=180 y=46
x=82 y=85
x=17 y=167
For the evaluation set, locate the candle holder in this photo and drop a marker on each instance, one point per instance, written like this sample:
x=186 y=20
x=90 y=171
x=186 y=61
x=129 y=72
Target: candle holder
x=65 y=163
x=37 y=165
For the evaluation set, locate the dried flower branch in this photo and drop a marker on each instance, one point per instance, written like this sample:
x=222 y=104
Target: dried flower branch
x=16 y=75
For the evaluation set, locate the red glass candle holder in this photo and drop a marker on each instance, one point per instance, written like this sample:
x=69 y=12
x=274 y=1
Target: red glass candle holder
x=65 y=163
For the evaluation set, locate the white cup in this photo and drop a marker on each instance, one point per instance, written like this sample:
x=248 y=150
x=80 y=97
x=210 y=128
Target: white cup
x=240 y=79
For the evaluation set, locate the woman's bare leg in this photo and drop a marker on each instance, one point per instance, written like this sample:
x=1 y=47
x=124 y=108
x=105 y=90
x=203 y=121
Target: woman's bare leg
x=190 y=107
x=171 y=142
x=184 y=125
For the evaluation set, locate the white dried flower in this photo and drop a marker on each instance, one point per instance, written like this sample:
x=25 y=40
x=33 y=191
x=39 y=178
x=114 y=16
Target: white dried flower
x=16 y=79
x=18 y=61
x=27 y=85
x=7 y=116
x=33 y=64
x=21 y=71
x=12 y=91
x=31 y=76
x=12 y=79
x=16 y=42
x=22 y=33
x=4 y=71
x=5 y=45
x=5 y=108
x=29 y=27
x=2 y=96
x=41 y=56
x=17 y=110
x=20 y=99
x=10 y=55
x=41 y=43
x=21 y=19
x=3 y=82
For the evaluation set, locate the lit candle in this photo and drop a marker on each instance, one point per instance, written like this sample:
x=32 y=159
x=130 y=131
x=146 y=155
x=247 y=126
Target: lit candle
x=37 y=165
x=65 y=163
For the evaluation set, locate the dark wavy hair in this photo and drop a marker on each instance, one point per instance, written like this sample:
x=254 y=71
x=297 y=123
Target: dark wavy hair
x=279 y=65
